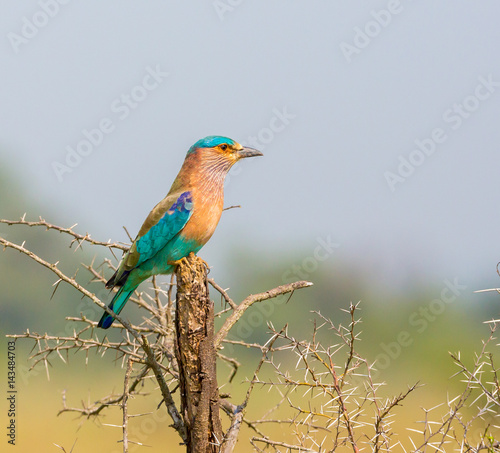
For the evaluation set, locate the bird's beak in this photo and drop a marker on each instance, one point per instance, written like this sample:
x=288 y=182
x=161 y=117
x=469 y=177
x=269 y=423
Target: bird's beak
x=248 y=152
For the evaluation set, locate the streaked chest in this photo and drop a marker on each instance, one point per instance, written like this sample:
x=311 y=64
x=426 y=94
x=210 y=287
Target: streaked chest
x=208 y=202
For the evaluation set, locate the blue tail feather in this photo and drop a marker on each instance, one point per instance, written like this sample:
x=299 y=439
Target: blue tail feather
x=117 y=304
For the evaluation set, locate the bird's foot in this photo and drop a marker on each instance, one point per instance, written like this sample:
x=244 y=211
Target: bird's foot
x=186 y=261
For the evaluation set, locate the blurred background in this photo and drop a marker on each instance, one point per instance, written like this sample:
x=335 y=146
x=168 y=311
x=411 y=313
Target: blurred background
x=379 y=125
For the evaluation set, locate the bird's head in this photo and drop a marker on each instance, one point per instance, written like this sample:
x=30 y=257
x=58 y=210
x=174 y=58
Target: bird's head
x=220 y=151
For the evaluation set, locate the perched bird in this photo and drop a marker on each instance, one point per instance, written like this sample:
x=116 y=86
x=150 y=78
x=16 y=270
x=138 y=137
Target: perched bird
x=182 y=222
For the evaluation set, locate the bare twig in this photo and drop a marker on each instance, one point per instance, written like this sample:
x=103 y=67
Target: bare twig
x=79 y=238
x=282 y=444
x=126 y=395
x=71 y=281
x=167 y=396
x=249 y=301
x=238 y=412
x=223 y=293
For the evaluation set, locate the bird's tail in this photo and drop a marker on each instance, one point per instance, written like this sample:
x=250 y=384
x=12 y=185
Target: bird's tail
x=117 y=304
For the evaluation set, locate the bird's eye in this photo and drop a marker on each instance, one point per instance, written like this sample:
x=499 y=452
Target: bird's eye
x=223 y=147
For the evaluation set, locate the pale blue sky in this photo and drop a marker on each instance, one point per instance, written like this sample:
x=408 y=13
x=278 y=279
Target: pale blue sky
x=331 y=118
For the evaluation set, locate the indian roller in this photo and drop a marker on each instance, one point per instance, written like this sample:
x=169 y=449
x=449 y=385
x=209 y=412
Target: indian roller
x=182 y=222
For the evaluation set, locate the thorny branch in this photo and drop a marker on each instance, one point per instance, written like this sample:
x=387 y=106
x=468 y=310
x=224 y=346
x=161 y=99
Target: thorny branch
x=135 y=345
x=237 y=413
x=332 y=391
x=79 y=238
x=126 y=396
x=249 y=301
x=321 y=388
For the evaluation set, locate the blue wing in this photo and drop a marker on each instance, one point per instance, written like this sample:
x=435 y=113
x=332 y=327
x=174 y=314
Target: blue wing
x=165 y=229
x=166 y=220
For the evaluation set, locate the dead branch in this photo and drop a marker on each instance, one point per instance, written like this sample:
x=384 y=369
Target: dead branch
x=167 y=395
x=125 y=398
x=196 y=357
x=238 y=412
x=79 y=238
x=249 y=301
x=329 y=400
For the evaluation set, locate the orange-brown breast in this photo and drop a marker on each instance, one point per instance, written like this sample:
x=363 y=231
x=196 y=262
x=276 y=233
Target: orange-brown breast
x=208 y=201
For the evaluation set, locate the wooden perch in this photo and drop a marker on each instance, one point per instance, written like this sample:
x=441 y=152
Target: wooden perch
x=196 y=357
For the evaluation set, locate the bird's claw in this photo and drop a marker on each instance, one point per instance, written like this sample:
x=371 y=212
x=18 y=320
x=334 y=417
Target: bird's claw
x=185 y=261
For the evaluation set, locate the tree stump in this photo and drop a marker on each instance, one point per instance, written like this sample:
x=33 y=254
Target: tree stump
x=196 y=356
